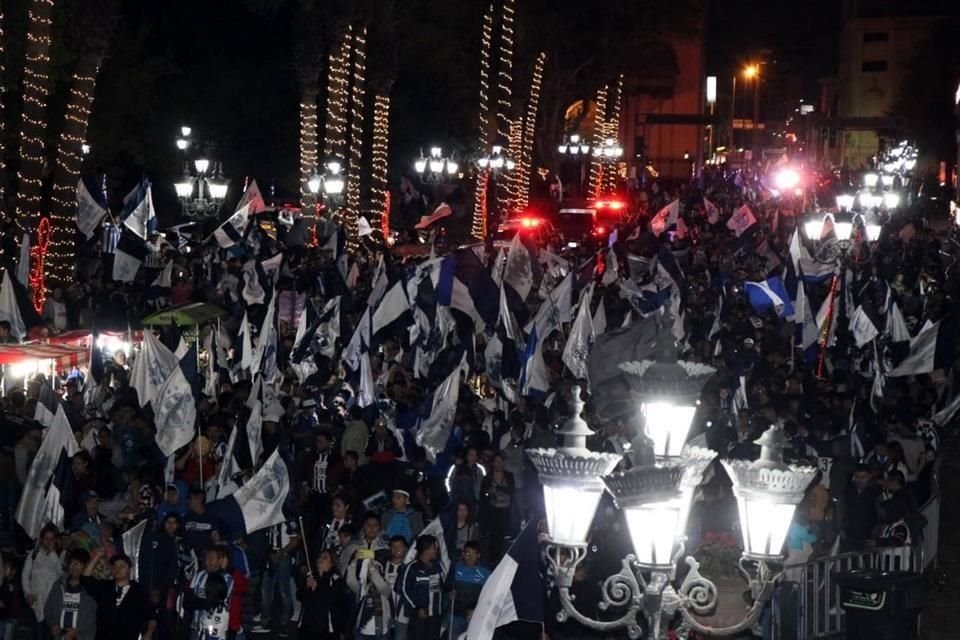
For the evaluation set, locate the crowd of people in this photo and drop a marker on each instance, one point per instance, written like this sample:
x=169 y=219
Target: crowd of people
x=352 y=558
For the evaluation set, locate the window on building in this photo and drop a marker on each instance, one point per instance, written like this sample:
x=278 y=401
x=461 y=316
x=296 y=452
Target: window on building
x=876 y=36
x=874 y=66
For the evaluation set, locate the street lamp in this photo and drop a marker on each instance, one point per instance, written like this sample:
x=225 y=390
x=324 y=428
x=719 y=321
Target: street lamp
x=838 y=248
x=574 y=146
x=609 y=151
x=202 y=193
x=654 y=496
x=436 y=167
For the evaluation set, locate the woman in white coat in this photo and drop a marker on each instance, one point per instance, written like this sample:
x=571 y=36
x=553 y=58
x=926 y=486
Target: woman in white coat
x=43 y=566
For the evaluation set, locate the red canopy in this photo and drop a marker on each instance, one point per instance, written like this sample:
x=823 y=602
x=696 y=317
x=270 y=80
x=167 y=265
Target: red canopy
x=67 y=356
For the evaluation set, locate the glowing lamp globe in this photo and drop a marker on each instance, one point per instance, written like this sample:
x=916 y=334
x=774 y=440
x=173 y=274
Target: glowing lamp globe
x=314 y=183
x=333 y=185
x=218 y=189
x=891 y=200
x=813 y=228
x=334 y=167
x=562 y=148
x=767 y=492
x=651 y=498
x=870 y=180
x=420 y=165
x=843 y=226
x=668 y=390
x=510 y=164
x=571 y=478
x=184 y=188
x=845 y=202
x=787 y=179
x=452 y=167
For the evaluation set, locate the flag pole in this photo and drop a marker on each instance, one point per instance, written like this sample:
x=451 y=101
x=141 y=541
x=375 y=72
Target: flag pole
x=306 y=551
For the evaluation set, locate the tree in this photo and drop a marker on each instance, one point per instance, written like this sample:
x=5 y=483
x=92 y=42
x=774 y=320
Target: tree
x=33 y=118
x=91 y=24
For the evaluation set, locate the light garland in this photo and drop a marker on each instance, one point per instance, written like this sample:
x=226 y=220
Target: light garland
x=505 y=74
x=479 y=224
x=36 y=90
x=357 y=96
x=3 y=126
x=612 y=130
x=514 y=178
x=379 y=193
x=529 y=130
x=599 y=129
x=338 y=80
x=69 y=161
x=38 y=254
x=308 y=145
x=505 y=126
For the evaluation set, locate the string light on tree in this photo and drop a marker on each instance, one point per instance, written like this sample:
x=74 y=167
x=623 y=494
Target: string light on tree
x=479 y=223
x=38 y=255
x=379 y=194
x=69 y=162
x=308 y=143
x=599 y=129
x=335 y=140
x=529 y=130
x=3 y=134
x=357 y=98
x=612 y=131
x=36 y=89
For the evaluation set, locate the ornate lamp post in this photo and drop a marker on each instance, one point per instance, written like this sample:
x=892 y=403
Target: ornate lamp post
x=437 y=167
x=655 y=499
x=838 y=249
x=331 y=183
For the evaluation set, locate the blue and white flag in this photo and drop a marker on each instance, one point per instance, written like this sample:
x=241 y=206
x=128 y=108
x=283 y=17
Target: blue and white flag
x=256 y=505
x=151 y=368
x=713 y=213
x=463 y=283
x=175 y=409
x=10 y=308
x=534 y=378
x=138 y=213
x=741 y=220
x=767 y=294
x=264 y=358
x=433 y=430
x=130 y=254
x=91 y=206
x=255 y=421
x=804 y=266
x=380 y=284
x=366 y=393
x=392 y=315
x=359 y=342
x=229 y=468
x=444 y=529
x=665 y=218
x=45 y=490
x=581 y=338
x=514 y=591
x=23 y=264
x=518 y=269
x=232 y=231
x=929 y=350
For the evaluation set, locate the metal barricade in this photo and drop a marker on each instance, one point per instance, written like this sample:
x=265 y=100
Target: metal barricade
x=807 y=602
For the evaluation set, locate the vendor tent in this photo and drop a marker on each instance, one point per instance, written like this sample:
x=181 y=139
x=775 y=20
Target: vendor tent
x=185 y=315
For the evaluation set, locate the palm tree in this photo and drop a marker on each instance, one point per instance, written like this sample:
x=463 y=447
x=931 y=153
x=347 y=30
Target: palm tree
x=92 y=24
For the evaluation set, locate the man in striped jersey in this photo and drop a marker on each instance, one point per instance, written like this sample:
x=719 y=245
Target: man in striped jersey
x=216 y=561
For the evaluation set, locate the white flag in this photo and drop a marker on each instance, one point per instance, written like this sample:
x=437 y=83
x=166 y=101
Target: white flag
x=40 y=501
x=175 y=408
x=151 y=368
x=665 y=218
x=581 y=337
x=434 y=429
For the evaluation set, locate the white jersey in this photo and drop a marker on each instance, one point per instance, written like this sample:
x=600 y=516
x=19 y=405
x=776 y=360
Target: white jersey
x=203 y=620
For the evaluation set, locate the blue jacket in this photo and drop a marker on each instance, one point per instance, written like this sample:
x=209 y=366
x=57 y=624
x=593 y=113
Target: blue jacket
x=420 y=587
